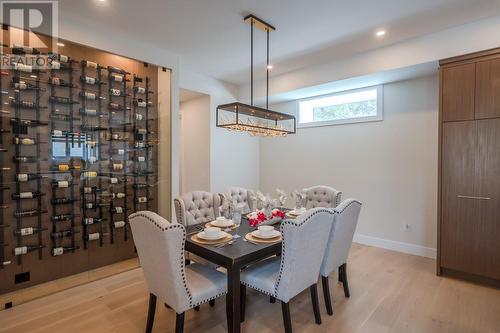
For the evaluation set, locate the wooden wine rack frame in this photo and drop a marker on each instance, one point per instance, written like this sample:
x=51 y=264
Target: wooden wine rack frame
x=114 y=244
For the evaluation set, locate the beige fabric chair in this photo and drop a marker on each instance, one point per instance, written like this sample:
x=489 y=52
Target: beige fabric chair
x=241 y=195
x=160 y=246
x=322 y=196
x=197 y=207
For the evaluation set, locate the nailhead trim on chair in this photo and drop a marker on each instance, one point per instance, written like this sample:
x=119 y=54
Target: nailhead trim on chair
x=350 y=203
x=183 y=267
x=283 y=252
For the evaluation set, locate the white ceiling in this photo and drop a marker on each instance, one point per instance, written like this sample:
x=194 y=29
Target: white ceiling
x=211 y=38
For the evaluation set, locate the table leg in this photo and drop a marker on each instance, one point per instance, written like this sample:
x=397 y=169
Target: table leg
x=233 y=299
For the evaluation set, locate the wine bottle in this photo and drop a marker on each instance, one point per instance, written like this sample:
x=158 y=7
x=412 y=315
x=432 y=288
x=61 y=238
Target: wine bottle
x=91 y=220
x=112 y=195
x=62 y=217
x=28 y=231
x=24 y=141
x=139 y=90
x=23 y=68
x=117 y=210
x=62 y=184
x=27 y=249
x=4 y=169
x=4 y=263
x=25 y=104
x=59 y=251
x=62 y=100
x=91 y=96
x=93 y=236
x=118 y=78
x=56 y=81
x=117 y=151
x=91 y=64
x=65 y=167
x=94 y=205
x=25 y=159
x=60 y=57
x=139 y=116
x=117 y=137
x=91 y=190
x=62 y=117
x=140 y=159
x=20 y=49
x=140 y=103
x=26 y=195
x=89 y=174
x=24 y=177
x=141 y=145
x=114 y=180
x=28 y=122
x=118 y=224
x=92 y=112
x=23 y=85
x=90 y=80
x=118 y=92
x=63 y=201
x=141 y=200
x=4 y=73
x=63 y=234
x=117 y=166
x=90 y=128
x=141 y=185
x=29 y=212
x=113 y=69
x=118 y=107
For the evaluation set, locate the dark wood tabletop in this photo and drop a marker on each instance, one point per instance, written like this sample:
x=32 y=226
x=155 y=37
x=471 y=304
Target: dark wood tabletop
x=233 y=258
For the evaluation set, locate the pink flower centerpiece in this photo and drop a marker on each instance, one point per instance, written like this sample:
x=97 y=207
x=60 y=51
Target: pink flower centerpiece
x=259 y=217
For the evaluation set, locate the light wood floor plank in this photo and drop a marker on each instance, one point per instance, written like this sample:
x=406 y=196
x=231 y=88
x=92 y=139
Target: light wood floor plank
x=390 y=293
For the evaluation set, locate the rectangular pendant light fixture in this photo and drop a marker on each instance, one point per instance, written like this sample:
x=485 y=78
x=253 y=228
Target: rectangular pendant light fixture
x=255 y=120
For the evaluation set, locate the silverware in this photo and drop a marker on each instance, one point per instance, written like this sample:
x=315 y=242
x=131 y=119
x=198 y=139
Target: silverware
x=248 y=241
x=224 y=244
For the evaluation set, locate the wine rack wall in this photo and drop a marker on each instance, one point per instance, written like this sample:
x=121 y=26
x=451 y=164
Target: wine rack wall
x=78 y=154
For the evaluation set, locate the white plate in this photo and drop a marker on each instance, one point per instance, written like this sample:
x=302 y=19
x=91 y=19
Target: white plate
x=297 y=212
x=273 y=234
x=226 y=223
x=204 y=236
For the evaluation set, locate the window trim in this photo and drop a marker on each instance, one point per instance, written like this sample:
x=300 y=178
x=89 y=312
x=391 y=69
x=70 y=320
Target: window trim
x=378 y=117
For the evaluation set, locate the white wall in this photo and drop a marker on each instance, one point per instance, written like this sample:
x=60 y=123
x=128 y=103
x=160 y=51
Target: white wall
x=195 y=144
x=234 y=157
x=391 y=166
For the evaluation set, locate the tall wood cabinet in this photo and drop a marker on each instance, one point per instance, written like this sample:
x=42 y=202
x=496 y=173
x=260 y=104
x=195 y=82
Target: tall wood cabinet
x=469 y=182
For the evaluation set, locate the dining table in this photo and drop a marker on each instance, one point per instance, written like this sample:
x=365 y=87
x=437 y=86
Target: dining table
x=233 y=257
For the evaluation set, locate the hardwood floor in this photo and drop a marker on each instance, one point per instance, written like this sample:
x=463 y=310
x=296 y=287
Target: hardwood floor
x=390 y=292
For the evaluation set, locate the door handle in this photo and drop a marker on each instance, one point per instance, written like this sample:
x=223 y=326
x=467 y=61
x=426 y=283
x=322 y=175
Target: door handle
x=472 y=197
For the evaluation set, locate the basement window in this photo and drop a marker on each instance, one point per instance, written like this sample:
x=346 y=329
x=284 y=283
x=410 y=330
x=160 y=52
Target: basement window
x=351 y=106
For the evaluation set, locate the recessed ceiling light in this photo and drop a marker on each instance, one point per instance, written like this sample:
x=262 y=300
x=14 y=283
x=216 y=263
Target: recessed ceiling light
x=60 y=44
x=380 y=33
x=269 y=66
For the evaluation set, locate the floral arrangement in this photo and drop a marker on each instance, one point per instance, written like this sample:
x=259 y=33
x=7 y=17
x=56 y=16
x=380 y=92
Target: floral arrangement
x=257 y=218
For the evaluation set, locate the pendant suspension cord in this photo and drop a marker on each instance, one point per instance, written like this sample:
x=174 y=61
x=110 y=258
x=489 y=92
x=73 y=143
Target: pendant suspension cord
x=267 y=70
x=251 y=63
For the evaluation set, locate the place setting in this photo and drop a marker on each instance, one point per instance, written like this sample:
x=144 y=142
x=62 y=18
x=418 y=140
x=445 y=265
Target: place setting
x=264 y=234
x=222 y=223
x=212 y=236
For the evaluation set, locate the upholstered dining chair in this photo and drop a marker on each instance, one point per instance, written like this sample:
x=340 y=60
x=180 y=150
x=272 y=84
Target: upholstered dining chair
x=322 y=196
x=241 y=195
x=197 y=207
x=339 y=243
x=160 y=246
x=303 y=249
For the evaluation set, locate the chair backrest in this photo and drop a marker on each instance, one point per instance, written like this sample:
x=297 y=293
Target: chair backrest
x=240 y=195
x=339 y=243
x=303 y=248
x=160 y=246
x=197 y=207
x=322 y=196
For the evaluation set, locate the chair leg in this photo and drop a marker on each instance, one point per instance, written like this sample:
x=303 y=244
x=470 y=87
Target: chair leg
x=211 y=303
x=179 y=323
x=340 y=274
x=151 y=313
x=326 y=295
x=197 y=308
x=315 y=303
x=287 y=321
x=272 y=299
x=187 y=262
x=167 y=306
x=243 y=298
x=344 y=281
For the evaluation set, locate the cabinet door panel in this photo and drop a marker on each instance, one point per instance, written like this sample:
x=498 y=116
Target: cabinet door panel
x=458 y=85
x=487 y=225
x=488 y=89
x=457 y=182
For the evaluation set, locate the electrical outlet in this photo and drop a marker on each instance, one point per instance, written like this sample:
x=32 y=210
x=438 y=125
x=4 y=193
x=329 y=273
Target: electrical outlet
x=407 y=227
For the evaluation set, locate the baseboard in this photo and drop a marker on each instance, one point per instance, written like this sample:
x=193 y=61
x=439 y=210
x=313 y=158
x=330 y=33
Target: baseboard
x=417 y=250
